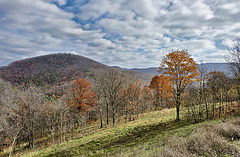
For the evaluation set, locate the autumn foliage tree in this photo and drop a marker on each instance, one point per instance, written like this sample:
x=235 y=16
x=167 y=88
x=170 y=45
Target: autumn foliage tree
x=181 y=70
x=82 y=98
x=132 y=94
x=162 y=89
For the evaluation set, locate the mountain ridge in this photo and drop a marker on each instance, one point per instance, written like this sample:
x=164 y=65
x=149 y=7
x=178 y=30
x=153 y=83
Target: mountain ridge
x=210 y=67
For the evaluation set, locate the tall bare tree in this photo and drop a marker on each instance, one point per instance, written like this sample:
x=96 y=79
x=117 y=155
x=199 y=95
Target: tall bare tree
x=233 y=59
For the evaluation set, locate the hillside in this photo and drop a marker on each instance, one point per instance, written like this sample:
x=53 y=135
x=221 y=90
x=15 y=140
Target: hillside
x=56 y=69
x=50 y=69
x=154 y=134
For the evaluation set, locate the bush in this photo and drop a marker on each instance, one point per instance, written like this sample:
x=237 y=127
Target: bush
x=204 y=141
x=175 y=147
x=228 y=130
x=236 y=122
x=209 y=144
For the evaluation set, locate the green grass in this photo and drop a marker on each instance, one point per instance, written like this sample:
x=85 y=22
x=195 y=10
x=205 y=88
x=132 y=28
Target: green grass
x=113 y=139
x=142 y=137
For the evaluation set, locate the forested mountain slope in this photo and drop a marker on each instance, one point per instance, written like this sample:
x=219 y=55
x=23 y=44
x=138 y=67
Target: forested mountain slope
x=56 y=69
x=49 y=69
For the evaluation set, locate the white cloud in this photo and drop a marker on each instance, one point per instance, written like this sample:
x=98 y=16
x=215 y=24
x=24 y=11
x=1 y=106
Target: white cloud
x=136 y=33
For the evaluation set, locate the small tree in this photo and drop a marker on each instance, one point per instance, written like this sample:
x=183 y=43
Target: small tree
x=132 y=94
x=162 y=89
x=181 y=70
x=82 y=98
x=114 y=81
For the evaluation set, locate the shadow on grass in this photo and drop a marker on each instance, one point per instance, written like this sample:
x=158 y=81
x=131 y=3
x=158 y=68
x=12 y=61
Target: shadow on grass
x=113 y=142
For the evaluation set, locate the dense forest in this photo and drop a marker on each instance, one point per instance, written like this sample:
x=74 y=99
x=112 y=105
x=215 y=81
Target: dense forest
x=106 y=96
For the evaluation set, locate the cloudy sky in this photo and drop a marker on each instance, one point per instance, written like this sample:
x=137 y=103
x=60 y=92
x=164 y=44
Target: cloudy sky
x=126 y=33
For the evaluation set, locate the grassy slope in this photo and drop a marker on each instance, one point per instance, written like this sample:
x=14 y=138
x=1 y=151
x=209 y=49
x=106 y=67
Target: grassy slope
x=140 y=137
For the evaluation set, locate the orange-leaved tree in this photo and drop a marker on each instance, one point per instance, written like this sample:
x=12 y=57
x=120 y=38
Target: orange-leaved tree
x=133 y=96
x=82 y=98
x=162 y=89
x=181 y=70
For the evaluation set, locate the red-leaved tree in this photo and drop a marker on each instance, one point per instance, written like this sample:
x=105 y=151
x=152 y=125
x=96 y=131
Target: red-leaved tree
x=82 y=98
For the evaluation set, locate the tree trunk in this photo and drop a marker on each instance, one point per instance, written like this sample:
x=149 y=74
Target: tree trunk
x=113 y=114
x=53 y=135
x=107 y=113
x=238 y=91
x=213 y=107
x=206 y=104
x=72 y=131
x=64 y=136
x=13 y=143
x=101 y=121
x=0 y=143
x=178 y=105
x=13 y=146
x=126 y=113
x=61 y=127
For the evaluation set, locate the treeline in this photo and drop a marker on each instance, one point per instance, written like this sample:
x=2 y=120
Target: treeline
x=29 y=114
x=184 y=83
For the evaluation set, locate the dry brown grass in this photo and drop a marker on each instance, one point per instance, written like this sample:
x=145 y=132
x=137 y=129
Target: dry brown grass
x=210 y=141
x=175 y=147
x=209 y=144
x=228 y=130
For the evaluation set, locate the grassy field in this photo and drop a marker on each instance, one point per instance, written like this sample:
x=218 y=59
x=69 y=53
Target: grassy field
x=149 y=135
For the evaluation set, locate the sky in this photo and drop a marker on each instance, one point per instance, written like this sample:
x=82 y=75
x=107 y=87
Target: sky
x=125 y=33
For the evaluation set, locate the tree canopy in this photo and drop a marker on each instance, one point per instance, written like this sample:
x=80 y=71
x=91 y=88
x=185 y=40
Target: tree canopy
x=181 y=70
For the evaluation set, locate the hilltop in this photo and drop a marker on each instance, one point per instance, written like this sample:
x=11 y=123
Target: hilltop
x=49 y=69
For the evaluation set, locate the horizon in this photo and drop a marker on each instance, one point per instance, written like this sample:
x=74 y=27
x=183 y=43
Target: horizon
x=128 y=34
x=116 y=66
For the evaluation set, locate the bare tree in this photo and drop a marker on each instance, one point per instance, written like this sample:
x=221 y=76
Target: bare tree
x=31 y=101
x=110 y=88
x=203 y=77
x=233 y=59
x=98 y=84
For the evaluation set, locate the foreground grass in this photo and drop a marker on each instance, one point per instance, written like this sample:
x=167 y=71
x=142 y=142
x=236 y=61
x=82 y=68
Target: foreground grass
x=143 y=137
x=114 y=139
x=210 y=138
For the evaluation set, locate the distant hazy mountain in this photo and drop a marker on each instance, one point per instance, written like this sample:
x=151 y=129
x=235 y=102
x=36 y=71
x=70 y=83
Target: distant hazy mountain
x=223 y=67
x=152 y=70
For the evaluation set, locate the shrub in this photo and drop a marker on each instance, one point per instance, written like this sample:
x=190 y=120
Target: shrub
x=236 y=122
x=209 y=144
x=204 y=141
x=228 y=130
x=175 y=146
